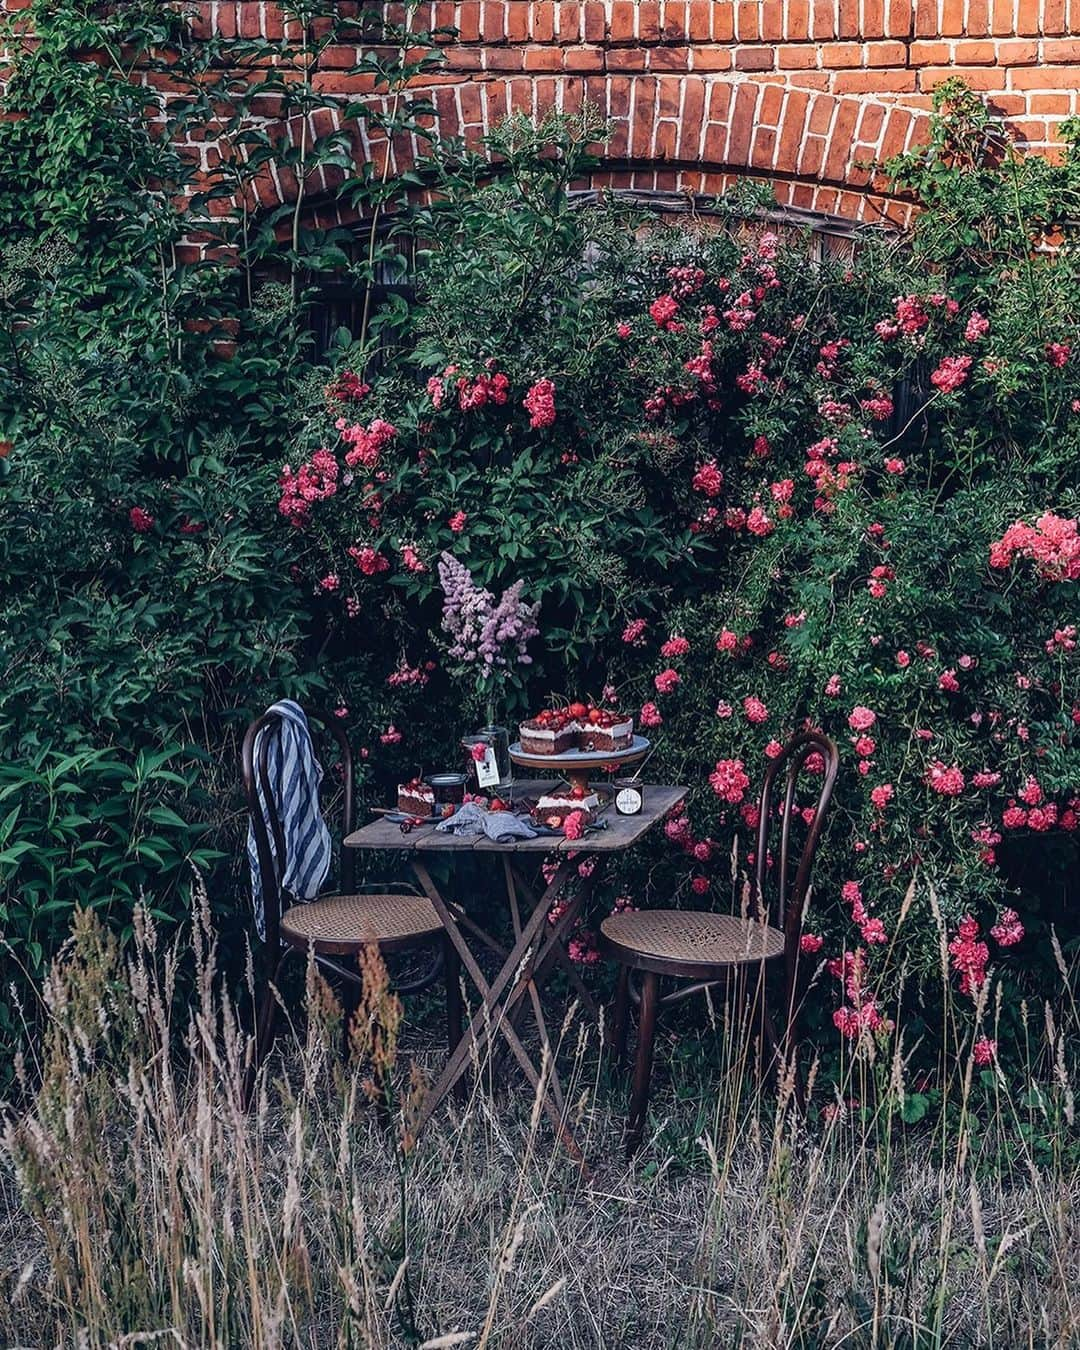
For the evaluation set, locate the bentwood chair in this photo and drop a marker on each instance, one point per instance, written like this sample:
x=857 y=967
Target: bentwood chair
x=707 y=948
x=336 y=927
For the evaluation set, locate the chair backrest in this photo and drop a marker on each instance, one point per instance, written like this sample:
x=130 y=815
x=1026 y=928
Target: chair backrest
x=790 y=894
x=258 y=773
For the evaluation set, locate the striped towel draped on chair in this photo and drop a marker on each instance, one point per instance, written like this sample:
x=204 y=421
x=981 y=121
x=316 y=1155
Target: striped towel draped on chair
x=293 y=775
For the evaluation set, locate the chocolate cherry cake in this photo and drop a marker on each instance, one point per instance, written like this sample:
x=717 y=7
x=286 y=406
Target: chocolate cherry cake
x=415 y=798
x=580 y=726
x=554 y=806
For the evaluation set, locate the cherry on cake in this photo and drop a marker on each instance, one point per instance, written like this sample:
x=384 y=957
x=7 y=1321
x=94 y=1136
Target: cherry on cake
x=553 y=807
x=415 y=798
x=580 y=726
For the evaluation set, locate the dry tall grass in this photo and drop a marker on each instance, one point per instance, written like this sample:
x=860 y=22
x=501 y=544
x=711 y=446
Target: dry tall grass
x=144 y=1207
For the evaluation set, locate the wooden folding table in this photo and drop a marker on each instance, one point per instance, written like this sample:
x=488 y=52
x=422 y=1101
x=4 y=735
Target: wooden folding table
x=539 y=945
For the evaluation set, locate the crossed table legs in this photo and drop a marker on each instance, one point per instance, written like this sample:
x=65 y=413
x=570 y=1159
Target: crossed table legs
x=528 y=963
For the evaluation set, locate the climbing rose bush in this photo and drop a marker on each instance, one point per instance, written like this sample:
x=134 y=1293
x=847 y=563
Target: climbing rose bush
x=752 y=493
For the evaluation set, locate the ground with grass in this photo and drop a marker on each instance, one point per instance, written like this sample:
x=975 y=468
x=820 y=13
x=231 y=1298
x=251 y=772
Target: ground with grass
x=141 y=1205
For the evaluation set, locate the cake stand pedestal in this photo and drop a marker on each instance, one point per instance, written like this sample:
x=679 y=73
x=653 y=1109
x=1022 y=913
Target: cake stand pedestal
x=578 y=766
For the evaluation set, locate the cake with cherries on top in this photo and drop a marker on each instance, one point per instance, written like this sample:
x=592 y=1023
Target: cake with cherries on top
x=554 y=806
x=579 y=726
x=415 y=798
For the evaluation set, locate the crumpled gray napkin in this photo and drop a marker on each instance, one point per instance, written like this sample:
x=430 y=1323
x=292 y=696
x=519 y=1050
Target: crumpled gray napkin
x=471 y=820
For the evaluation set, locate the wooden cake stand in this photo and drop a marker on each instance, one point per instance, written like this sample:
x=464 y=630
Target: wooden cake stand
x=576 y=766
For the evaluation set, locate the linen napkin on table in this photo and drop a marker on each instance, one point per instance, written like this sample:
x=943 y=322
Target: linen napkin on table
x=471 y=820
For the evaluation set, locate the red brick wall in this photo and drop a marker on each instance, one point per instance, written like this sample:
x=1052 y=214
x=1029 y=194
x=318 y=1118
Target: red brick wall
x=804 y=93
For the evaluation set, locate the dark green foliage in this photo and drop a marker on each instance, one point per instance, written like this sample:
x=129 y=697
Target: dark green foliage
x=155 y=598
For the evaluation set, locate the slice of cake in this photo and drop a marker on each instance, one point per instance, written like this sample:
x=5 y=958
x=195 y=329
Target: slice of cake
x=551 y=732
x=553 y=807
x=605 y=730
x=415 y=798
x=581 y=726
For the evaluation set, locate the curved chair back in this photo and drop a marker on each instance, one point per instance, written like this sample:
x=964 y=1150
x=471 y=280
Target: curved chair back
x=790 y=893
x=258 y=772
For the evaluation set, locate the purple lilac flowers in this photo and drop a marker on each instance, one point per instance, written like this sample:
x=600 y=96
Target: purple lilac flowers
x=492 y=636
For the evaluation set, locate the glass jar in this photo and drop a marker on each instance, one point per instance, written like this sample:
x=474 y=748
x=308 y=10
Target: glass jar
x=629 y=796
x=499 y=739
x=449 y=788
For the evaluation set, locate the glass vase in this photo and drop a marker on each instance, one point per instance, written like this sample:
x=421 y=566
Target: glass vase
x=499 y=738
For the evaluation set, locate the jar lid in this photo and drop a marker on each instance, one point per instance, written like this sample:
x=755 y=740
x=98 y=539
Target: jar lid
x=447 y=779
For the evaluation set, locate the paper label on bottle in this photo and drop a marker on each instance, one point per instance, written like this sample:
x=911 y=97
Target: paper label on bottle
x=487 y=769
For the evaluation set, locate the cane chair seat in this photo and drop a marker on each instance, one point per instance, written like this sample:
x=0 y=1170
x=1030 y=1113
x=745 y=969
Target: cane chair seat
x=690 y=943
x=337 y=925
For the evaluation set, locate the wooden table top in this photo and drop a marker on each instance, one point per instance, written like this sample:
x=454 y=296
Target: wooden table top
x=621 y=832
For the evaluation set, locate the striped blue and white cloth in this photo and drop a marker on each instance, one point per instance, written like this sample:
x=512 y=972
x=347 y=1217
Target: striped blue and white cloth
x=293 y=777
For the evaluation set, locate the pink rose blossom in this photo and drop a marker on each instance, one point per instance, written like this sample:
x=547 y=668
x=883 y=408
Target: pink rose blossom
x=946 y=780
x=1031 y=794
x=574 y=825
x=729 y=780
x=667 y=681
x=977 y=326
x=369 y=560
x=708 y=479
x=758 y=523
x=539 y=403
x=1057 y=353
x=969 y=956
x=951 y=373
x=1053 y=543
x=663 y=310
x=727 y=641
x=882 y=795
x=873 y=930
x=1008 y=930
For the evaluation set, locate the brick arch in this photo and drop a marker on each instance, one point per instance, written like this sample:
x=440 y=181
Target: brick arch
x=689 y=133
x=800 y=92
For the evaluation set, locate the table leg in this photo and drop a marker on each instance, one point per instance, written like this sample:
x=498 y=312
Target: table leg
x=555 y=952
x=492 y=1014
x=558 y=953
x=534 y=993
